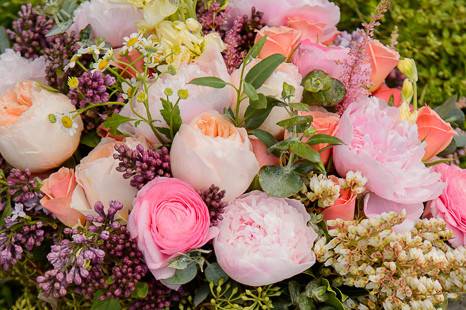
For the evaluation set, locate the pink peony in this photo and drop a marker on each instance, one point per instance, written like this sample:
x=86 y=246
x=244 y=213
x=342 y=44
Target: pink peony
x=451 y=205
x=264 y=240
x=169 y=218
x=386 y=150
x=311 y=56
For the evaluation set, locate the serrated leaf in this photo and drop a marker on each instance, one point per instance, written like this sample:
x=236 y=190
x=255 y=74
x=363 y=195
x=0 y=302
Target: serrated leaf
x=322 y=138
x=305 y=151
x=107 y=304
x=182 y=276
x=209 y=81
x=113 y=122
x=264 y=136
x=214 y=273
x=258 y=74
x=280 y=181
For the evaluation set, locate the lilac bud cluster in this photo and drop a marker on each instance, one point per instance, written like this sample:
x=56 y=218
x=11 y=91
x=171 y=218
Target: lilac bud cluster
x=29 y=32
x=10 y=253
x=159 y=297
x=23 y=187
x=213 y=198
x=142 y=165
x=213 y=18
x=349 y=40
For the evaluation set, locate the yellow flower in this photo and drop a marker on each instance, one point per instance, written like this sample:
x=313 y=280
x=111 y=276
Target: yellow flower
x=73 y=82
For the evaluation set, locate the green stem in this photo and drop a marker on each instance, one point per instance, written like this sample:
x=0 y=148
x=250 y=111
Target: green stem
x=96 y=105
x=415 y=97
x=238 y=94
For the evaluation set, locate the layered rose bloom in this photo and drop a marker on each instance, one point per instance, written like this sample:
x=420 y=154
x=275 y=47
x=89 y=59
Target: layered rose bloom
x=280 y=40
x=109 y=20
x=28 y=139
x=200 y=98
x=344 y=206
x=450 y=205
x=382 y=60
x=264 y=240
x=168 y=219
x=386 y=150
x=385 y=93
x=211 y=150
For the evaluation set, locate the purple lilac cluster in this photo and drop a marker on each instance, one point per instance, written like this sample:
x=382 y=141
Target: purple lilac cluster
x=23 y=187
x=213 y=198
x=213 y=18
x=10 y=252
x=29 y=32
x=240 y=38
x=159 y=297
x=142 y=165
x=349 y=40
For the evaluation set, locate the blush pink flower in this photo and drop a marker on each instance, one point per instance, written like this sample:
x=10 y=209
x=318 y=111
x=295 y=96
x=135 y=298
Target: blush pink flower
x=264 y=240
x=386 y=150
x=280 y=40
x=169 y=218
x=450 y=205
x=383 y=60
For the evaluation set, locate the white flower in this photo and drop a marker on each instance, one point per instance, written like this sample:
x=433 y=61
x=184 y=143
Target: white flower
x=17 y=212
x=324 y=190
x=355 y=181
x=132 y=42
x=68 y=123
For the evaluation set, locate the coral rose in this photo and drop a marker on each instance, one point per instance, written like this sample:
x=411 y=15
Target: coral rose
x=264 y=240
x=384 y=92
x=280 y=40
x=58 y=188
x=386 y=150
x=169 y=218
x=432 y=129
x=263 y=156
x=344 y=206
x=28 y=140
x=451 y=206
x=210 y=150
x=324 y=123
x=383 y=60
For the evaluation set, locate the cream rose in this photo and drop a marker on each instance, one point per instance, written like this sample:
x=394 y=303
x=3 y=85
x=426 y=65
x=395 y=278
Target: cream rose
x=210 y=150
x=27 y=137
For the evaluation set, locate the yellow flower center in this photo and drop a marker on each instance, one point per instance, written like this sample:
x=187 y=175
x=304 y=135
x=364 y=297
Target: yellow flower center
x=67 y=122
x=132 y=41
x=103 y=64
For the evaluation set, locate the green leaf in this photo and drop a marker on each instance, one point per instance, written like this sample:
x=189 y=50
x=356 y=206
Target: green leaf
x=200 y=294
x=90 y=139
x=264 y=136
x=182 y=276
x=449 y=112
x=263 y=70
x=141 y=291
x=60 y=28
x=294 y=289
x=210 y=81
x=321 y=89
x=280 y=181
x=172 y=115
x=321 y=138
x=305 y=151
x=107 y=304
x=4 y=41
x=460 y=139
x=113 y=122
x=260 y=103
x=255 y=117
x=251 y=92
x=305 y=303
x=288 y=91
x=283 y=145
x=256 y=49
x=299 y=106
x=296 y=121
x=214 y=273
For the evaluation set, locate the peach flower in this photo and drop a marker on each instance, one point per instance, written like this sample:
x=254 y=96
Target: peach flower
x=345 y=205
x=210 y=150
x=58 y=189
x=383 y=60
x=432 y=129
x=280 y=40
x=384 y=92
x=25 y=126
x=263 y=156
x=324 y=123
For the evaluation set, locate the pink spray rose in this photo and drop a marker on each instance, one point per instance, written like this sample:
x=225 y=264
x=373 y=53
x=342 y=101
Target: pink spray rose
x=451 y=205
x=169 y=218
x=386 y=150
x=344 y=207
x=280 y=40
x=383 y=60
x=264 y=240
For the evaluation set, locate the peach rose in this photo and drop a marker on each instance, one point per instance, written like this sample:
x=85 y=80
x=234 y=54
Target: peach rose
x=131 y=63
x=280 y=40
x=98 y=180
x=263 y=156
x=345 y=205
x=384 y=92
x=58 y=188
x=210 y=150
x=25 y=126
x=383 y=60
x=434 y=131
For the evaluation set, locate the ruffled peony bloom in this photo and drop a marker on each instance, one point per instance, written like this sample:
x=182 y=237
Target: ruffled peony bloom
x=200 y=99
x=286 y=72
x=169 y=218
x=210 y=150
x=311 y=56
x=315 y=19
x=432 y=129
x=280 y=40
x=383 y=60
x=58 y=188
x=451 y=206
x=264 y=240
x=28 y=140
x=109 y=20
x=98 y=180
x=384 y=92
x=15 y=69
x=344 y=206
x=386 y=150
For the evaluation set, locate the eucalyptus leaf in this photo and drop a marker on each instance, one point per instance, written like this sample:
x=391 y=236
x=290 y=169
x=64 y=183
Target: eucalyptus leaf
x=299 y=106
x=258 y=74
x=280 y=181
x=321 y=89
x=214 y=273
x=305 y=303
x=182 y=276
x=449 y=112
x=294 y=290
x=209 y=81
x=255 y=117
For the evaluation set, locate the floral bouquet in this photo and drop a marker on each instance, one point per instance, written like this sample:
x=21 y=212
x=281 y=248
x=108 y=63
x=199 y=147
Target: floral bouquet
x=162 y=154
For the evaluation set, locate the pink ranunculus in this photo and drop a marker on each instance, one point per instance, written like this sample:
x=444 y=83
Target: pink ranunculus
x=280 y=40
x=384 y=92
x=109 y=20
x=451 y=204
x=383 y=60
x=58 y=188
x=344 y=207
x=311 y=56
x=169 y=218
x=264 y=240
x=386 y=150
x=432 y=129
